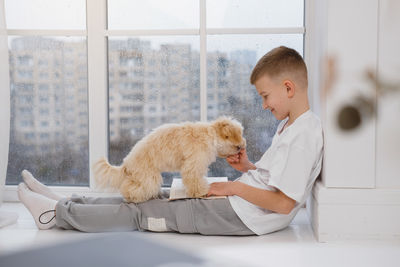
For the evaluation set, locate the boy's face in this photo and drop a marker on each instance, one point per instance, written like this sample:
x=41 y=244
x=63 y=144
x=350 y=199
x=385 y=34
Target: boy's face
x=274 y=95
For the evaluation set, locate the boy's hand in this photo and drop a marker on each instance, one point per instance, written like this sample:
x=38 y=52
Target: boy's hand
x=222 y=189
x=240 y=161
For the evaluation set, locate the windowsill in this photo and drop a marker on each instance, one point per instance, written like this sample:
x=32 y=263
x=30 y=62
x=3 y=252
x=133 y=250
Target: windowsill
x=297 y=240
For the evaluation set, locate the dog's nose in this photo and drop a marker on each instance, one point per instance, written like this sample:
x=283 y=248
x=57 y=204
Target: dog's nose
x=238 y=147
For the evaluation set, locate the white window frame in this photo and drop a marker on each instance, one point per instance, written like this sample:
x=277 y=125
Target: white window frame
x=97 y=34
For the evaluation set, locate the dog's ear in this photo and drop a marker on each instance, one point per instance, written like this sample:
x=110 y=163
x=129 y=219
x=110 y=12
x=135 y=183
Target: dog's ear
x=227 y=128
x=220 y=126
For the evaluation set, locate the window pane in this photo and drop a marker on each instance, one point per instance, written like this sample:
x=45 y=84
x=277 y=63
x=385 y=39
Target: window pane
x=49 y=110
x=153 y=14
x=254 y=13
x=152 y=81
x=230 y=61
x=46 y=14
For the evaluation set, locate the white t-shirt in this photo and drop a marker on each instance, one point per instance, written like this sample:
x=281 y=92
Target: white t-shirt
x=291 y=164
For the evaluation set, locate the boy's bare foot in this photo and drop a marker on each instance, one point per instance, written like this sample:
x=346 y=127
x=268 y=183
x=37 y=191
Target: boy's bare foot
x=41 y=207
x=38 y=187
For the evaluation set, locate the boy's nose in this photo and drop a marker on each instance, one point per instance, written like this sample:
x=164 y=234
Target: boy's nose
x=264 y=103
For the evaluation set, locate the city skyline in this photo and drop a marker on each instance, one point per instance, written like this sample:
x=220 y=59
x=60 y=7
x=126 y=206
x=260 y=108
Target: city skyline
x=147 y=88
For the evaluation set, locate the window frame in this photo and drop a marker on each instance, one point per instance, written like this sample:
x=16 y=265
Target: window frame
x=97 y=35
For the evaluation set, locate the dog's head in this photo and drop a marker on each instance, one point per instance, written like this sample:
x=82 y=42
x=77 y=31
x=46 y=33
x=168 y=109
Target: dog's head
x=229 y=136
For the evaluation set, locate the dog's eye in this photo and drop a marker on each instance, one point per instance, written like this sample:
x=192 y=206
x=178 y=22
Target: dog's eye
x=226 y=137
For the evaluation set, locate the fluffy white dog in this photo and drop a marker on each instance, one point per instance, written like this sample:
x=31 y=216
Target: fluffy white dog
x=187 y=147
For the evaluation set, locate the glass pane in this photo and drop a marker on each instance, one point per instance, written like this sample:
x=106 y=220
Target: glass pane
x=152 y=81
x=49 y=110
x=230 y=61
x=153 y=14
x=46 y=14
x=254 y=13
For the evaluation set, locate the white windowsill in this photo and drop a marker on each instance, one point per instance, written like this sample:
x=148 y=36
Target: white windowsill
x=296 y=240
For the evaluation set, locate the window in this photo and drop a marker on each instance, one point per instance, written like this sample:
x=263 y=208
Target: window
x=168 y=50
x=48 y=131
x=166 y=61
x=158 y=77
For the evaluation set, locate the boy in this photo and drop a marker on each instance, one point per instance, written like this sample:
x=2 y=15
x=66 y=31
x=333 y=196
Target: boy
x=269 y=194
x=264 y=199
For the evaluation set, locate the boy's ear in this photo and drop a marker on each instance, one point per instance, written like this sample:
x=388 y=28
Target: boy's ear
x=290 y=88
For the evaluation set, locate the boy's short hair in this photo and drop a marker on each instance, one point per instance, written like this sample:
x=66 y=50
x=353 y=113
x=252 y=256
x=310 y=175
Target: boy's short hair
x=279 y=61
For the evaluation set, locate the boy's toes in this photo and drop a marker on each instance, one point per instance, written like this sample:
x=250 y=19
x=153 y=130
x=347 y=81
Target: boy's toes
x=22 y=186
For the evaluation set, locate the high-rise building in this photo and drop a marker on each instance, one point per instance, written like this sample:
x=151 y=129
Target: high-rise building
x=48 y=94
x=147 y=87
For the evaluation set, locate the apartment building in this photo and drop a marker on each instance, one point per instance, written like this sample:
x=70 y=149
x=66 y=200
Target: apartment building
x=147 y=87
x=48 y=94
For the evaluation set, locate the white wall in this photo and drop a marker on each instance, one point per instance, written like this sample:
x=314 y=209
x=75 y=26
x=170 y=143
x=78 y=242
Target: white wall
x=359 y=195
x=362 y=35
x=351 y=39
x=388 y=122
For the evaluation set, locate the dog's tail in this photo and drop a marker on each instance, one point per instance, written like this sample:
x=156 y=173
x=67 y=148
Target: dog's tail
x=106 y=175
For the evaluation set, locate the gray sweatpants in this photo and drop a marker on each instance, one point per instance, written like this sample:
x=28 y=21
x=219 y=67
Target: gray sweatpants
x=203 y=216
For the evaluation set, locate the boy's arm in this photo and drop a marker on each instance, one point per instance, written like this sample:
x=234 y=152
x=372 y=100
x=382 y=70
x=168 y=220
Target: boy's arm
x=274 y=201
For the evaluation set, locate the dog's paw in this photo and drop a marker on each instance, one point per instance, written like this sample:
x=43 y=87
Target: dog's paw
x=199 y=189
x=134 y=193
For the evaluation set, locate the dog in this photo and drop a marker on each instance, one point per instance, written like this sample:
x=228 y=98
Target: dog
x=188 y=147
